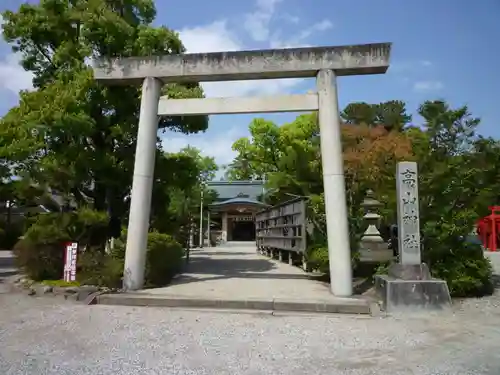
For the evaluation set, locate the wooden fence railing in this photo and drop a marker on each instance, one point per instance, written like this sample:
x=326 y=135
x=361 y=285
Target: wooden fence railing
x=281 y=230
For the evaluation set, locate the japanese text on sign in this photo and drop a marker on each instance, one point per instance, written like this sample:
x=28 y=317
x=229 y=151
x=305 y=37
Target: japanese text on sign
x=408 y=213
x=71 y=251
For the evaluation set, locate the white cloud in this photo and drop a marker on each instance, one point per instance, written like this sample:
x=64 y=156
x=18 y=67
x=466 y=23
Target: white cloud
x=257 y=23
x=317 y=27
x=217 y=37
x=300 y=39
x=290 y=18
x=12 y=76
x=213 y=37
x=425 y=86
x=218 y=147
x=410 y=66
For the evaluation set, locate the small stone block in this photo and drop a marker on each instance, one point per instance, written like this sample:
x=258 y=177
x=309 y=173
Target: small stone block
x=404 y=295
x=85 y=291
x=41 y=289
x=92 y=298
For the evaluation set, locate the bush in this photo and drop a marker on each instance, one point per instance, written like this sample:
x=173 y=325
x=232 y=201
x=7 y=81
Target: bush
x=318 y=259
x=317 y=253
x=40 y=254
x=164 y=258
x=100 y=269
x=465 y=269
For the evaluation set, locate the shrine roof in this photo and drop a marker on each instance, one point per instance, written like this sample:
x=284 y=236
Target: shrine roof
x=237 y=189
x=239 y=200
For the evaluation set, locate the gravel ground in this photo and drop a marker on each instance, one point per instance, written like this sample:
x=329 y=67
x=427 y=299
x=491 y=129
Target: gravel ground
x=52 y=336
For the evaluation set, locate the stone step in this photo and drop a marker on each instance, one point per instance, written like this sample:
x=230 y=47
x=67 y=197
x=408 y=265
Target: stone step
x=335 y=305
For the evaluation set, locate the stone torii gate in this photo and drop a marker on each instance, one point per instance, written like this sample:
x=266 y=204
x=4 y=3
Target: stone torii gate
x=324 y=63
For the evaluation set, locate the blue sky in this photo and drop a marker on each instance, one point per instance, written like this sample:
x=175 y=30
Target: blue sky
x=442 y=49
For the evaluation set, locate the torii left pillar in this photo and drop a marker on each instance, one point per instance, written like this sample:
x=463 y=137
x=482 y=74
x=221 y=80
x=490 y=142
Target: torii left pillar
x=142 y=186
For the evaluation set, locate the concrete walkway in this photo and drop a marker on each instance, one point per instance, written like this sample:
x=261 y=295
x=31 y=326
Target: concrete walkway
x=234 y=276
x=236 y=270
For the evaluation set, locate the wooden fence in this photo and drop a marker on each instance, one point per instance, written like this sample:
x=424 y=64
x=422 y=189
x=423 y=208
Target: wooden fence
x=282 y=227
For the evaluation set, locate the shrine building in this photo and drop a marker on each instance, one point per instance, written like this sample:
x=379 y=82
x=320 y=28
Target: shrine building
x=232 y=215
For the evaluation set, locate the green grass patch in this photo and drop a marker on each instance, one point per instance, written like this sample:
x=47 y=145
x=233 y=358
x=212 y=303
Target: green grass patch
x=60 y=283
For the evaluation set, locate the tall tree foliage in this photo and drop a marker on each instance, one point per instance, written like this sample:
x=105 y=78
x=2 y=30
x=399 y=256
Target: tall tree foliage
x=391 y=114
x=289 y=157
x=182 y=210
x=459 y=176
x=456 y=181
x=70 y=133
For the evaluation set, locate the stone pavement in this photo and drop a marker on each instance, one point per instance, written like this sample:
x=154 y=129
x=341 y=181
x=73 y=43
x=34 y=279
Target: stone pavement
x=236 y=269
x=235 y=276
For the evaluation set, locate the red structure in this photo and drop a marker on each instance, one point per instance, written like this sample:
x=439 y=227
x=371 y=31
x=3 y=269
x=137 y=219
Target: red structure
x=488 y=229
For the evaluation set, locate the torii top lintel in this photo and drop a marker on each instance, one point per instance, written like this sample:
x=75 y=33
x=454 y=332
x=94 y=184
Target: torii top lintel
x=246 y=65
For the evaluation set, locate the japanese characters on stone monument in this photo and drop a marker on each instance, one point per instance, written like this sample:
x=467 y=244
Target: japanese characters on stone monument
x=408 y=213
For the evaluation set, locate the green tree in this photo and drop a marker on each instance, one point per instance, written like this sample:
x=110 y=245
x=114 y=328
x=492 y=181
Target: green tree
x=239 y=169
x=391 y=114
x=454 y=176
x=290 y=158
x=181 y=213
x=459 y=178
x=359 y=113
x=71 y=133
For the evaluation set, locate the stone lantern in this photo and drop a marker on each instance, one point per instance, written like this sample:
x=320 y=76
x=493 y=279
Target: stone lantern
x=373 y=248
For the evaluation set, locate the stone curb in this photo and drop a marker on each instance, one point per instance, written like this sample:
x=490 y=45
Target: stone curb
x=336 y=305
x=85 y=294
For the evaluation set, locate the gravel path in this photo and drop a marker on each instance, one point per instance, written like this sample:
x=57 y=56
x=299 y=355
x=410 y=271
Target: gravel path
x=50 y=336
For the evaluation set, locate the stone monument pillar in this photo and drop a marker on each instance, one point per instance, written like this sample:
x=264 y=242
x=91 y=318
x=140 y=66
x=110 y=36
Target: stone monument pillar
x=409 y=284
